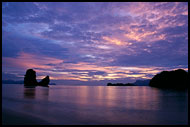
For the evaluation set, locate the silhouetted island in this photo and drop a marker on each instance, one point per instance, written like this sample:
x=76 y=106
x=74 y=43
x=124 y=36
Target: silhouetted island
x=142 y=82
x=136 y=83
x=170 y=79
x=120 y=84
x=30 y=79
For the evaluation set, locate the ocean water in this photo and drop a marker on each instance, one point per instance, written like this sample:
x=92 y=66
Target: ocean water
x=93 y=105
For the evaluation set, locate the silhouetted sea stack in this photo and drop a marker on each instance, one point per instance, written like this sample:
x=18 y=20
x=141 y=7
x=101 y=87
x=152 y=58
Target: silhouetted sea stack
x=44 y=82
x=170 y=79
x=30 y=79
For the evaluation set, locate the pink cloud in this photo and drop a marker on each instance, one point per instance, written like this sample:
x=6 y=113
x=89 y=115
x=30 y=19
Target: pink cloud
x=26 y=60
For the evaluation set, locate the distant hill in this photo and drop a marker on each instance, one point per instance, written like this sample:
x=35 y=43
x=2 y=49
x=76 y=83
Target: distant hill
x=120 y=84
x=52 y=84
x=142 y=82
x=170 y=79
x=18 y=82
x=136 y=83
x=12 y=82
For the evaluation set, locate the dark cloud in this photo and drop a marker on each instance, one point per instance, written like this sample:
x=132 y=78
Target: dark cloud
x=17 y=12
x=96 y=73
x=178 y=30
x=15 y=43
x=8 y=76
x=161 y=53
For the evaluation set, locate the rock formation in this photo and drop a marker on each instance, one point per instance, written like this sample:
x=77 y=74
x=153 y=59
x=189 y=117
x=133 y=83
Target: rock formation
x=170 y=79
x=44 y=82
x=30 y=79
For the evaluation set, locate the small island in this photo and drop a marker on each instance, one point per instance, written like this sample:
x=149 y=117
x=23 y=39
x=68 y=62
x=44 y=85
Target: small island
x=120 y=84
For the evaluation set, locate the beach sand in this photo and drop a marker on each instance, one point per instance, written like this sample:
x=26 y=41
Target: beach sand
x=10 y=117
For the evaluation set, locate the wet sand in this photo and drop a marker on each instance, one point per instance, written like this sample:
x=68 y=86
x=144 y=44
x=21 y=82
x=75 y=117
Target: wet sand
x=93 y=105
x=10 y=117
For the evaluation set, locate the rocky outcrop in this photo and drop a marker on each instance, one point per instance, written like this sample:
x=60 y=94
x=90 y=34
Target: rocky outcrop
x=30 y=79
x=170 y=79
x=44 y=82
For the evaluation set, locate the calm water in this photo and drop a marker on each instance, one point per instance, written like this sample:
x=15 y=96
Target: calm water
x=131 y=105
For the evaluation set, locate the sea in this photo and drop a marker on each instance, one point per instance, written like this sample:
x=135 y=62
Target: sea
x=93 y=105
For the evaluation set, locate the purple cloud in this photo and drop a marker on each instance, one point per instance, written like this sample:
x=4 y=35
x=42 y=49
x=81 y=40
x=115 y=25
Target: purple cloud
x=95 y=41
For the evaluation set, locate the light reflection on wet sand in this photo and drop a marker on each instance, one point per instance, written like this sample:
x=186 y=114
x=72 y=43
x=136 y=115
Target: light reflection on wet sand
x=98 y=104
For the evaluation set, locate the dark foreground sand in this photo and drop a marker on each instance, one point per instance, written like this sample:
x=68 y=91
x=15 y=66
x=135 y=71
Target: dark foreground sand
x=10 y=117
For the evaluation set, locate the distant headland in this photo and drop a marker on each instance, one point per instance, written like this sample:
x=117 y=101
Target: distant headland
x=136 y=83
x=120 y=84
x=19 y=82
x=165 y=79
x=170 y=79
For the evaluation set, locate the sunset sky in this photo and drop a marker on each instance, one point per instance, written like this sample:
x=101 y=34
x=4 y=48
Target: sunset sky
x=103 y=41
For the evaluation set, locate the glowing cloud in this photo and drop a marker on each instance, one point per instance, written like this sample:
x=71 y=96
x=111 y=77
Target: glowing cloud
x=115 y=41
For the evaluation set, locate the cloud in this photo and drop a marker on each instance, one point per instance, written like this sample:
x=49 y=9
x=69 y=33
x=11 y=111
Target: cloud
x=15 y=76
x=161 y=53
x=94 y=40
x=96 y=73
x=25 y=61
